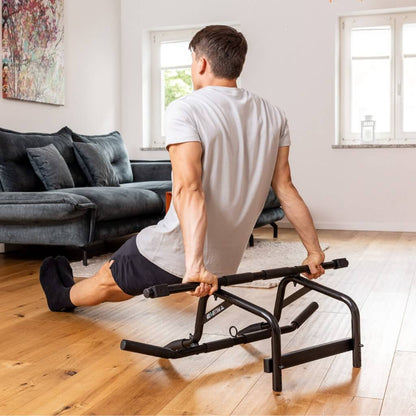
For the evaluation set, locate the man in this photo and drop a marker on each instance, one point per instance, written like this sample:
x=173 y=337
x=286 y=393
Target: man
x=227 y=146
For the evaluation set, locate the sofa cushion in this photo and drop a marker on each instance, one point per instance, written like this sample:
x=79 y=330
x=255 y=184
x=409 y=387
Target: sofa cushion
x=16 y=172
x=114 y=203
x=268 y=216
x=152 y=170
x=50 y=167
x=41 y=207
x=112 y=144
x=160 y=187
x=271 y=201
x=95 y=165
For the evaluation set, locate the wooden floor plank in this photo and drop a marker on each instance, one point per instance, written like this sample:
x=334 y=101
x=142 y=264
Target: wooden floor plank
x=334 y=404
x=400 y=396
x=381 y=319
x=148 y=391
x=233 y=374
x=407 y=338
x=365 y=268
x=301 y=382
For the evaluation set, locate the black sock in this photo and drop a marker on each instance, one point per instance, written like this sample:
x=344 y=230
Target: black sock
x=65 y=271
x=57 y=295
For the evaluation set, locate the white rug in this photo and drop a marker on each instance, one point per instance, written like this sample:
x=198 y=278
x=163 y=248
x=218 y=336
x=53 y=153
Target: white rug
x=264 y=255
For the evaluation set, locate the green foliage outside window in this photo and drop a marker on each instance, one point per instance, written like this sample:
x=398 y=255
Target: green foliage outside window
x=178 y=82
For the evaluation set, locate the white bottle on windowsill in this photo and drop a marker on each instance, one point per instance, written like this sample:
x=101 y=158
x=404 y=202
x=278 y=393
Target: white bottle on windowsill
x=368 y=127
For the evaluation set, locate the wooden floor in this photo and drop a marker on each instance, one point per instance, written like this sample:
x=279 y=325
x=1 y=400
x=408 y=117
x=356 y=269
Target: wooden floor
x=71 y=363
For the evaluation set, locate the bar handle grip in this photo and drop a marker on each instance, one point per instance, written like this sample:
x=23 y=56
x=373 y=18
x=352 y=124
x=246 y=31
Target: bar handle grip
x=340 y=263
x=305 y=314
x=162 y=290
x=159 y=291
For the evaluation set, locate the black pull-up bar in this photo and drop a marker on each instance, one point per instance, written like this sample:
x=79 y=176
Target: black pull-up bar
x=158 y=291
x=255 y=332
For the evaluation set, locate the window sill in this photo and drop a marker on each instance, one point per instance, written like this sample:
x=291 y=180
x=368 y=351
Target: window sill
x=151 y=149
x=374 y=145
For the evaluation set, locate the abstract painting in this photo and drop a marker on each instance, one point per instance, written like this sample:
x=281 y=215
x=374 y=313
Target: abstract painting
x=33 y=50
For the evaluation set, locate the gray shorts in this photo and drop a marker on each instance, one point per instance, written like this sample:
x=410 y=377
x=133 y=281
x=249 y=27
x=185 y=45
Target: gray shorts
x=133 y=272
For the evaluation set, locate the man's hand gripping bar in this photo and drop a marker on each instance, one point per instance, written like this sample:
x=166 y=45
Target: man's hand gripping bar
x=159 y=291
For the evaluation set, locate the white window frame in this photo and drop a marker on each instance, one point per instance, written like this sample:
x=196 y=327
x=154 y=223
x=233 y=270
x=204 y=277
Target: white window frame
x=396 y=21
x=156 y=139
x=402 y=19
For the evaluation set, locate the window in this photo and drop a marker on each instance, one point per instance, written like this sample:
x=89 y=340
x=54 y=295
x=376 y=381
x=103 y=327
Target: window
x=170 y=75
x=378 y=79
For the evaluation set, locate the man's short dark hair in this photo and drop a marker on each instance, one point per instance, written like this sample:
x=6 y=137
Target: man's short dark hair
x=224 y=47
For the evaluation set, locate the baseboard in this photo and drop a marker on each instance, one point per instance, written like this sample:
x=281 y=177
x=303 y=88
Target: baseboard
x=354 y=226
x=368 y=226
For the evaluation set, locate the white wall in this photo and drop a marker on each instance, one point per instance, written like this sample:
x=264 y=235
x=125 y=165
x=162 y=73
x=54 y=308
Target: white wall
x=92 y=75
x=292 y=62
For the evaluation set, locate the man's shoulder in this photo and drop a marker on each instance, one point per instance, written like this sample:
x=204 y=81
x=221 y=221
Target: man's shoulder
x=180 y=105
x=265 y=102
x=187 y=104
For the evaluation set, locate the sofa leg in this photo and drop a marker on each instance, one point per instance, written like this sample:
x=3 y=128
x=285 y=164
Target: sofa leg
x=251 y=241
x=84 y=256
x=275 y=229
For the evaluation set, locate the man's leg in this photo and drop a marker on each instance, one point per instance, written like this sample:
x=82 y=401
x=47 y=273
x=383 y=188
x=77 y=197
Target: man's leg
x=61 y=297
x=98 y=289
x=130 y=274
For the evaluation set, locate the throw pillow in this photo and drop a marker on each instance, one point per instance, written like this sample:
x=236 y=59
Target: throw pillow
x=116 y=150
x=50 y=167
x=16 y=172
x=95 y=164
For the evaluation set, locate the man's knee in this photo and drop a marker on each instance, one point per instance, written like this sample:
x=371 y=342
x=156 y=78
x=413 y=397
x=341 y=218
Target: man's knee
x=107 y=286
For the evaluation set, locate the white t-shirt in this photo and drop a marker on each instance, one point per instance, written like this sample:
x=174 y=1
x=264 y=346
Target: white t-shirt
x=240 y=134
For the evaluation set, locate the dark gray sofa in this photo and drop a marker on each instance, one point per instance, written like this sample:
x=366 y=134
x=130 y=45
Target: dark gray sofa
x=83 y=214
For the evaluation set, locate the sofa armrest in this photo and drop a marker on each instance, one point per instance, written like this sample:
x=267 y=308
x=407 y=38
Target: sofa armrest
x=144 y=171
x=29 y=207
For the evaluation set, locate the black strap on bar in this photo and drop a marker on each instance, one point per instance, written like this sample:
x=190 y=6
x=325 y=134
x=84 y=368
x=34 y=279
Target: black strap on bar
x=158 y=291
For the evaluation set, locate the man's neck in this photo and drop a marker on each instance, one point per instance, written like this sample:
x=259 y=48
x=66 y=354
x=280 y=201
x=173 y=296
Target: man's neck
x=220 y=82
x=223 y=82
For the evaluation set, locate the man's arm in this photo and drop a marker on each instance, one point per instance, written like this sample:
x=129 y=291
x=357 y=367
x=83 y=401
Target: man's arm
x=189 y=201
x=297 y=213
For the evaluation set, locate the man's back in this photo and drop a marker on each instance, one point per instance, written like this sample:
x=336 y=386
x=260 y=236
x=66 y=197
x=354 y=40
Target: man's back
x=240 y=134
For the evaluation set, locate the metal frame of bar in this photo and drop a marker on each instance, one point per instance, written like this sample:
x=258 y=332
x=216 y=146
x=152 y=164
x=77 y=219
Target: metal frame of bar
x=263 y=330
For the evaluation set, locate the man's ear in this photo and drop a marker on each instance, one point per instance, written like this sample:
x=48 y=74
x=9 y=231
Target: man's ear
x=202 y=65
